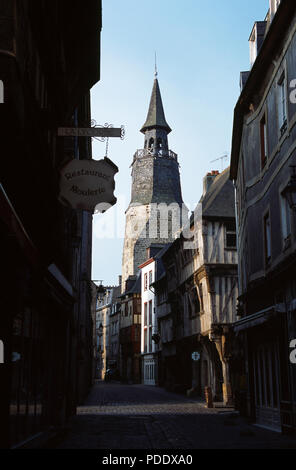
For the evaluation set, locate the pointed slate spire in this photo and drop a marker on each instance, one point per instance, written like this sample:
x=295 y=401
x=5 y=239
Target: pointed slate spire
x=156 y=118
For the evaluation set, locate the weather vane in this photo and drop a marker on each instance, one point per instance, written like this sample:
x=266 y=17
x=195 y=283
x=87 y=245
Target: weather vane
x=156 y=72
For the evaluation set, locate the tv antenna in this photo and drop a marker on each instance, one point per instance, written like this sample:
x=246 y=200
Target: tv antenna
x=224 y=157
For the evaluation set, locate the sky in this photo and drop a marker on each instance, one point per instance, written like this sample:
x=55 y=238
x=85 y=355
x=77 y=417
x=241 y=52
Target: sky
x=201 y=46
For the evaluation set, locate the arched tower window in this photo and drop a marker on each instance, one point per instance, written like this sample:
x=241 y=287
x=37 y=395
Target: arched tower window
x=159 y=143
x=151 y=143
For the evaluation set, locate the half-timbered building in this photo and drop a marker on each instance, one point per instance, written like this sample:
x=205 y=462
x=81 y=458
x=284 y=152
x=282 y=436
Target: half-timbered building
x=196 y=296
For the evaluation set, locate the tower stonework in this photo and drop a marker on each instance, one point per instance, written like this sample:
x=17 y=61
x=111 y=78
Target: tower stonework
x=154 y=215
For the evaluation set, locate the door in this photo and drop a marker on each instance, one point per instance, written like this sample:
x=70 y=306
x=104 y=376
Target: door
x=266 y=385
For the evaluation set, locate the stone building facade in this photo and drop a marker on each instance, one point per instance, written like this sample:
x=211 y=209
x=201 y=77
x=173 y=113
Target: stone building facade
x=130 y=331
x=114 y=329
x=108 y=310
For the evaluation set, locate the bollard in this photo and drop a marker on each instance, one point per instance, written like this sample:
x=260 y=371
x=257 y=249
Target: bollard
x=209 y=397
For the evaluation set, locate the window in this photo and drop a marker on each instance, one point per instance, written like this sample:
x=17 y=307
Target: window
x=150 y=339
x=282 y=105
x=230 y=234
x=200 y=289
x=196 y=301
x=150 y=278
x=286 y=218
x=145 y=281
x=263 y=139
x=145 y=340
x=267 y=238
x=145 y=313
x=150 y=312
x=151 y=143
x=193 y=303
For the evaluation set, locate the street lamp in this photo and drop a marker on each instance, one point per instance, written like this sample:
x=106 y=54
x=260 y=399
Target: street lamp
x=290 y=191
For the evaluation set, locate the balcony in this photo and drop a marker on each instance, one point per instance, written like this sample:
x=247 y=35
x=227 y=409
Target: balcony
x=143 y=153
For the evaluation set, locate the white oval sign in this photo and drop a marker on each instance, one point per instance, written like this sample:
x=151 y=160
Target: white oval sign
x=87 y=184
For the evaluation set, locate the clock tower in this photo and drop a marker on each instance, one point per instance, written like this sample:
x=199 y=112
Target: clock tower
x=155 y=211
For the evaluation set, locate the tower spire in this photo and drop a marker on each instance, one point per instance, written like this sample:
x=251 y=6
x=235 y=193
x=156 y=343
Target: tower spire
x=156 y=117
x=156 y=71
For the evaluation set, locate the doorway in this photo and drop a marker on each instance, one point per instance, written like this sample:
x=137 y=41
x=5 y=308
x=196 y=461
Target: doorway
x=266 y=385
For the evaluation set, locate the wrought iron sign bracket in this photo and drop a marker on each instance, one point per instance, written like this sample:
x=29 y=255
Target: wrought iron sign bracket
x=96 y=131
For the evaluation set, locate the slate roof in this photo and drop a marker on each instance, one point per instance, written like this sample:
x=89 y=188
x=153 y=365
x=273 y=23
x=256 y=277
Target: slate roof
x=219 y=200
x=160 y=269
x=136 y=289
x=156 y=116
x=116 y=293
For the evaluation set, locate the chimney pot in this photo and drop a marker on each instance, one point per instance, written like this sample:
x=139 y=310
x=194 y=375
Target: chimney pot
x=208 y=180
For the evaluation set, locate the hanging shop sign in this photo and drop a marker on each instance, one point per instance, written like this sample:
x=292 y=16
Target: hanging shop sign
x=88 y=185
x=90 y=132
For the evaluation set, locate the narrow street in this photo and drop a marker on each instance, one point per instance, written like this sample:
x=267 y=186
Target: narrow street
x=117 y=416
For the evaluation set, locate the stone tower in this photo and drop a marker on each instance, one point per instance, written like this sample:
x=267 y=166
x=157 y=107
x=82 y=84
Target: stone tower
x=155 y=211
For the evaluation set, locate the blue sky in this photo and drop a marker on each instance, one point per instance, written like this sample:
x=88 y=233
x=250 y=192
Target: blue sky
x=201 y=48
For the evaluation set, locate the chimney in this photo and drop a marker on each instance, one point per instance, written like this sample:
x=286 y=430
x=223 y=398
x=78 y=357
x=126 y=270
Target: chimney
x=256 y=39
x=208 y=181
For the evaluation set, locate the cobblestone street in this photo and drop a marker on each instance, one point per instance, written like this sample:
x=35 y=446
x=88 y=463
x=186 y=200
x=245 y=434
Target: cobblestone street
x=117 y=416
